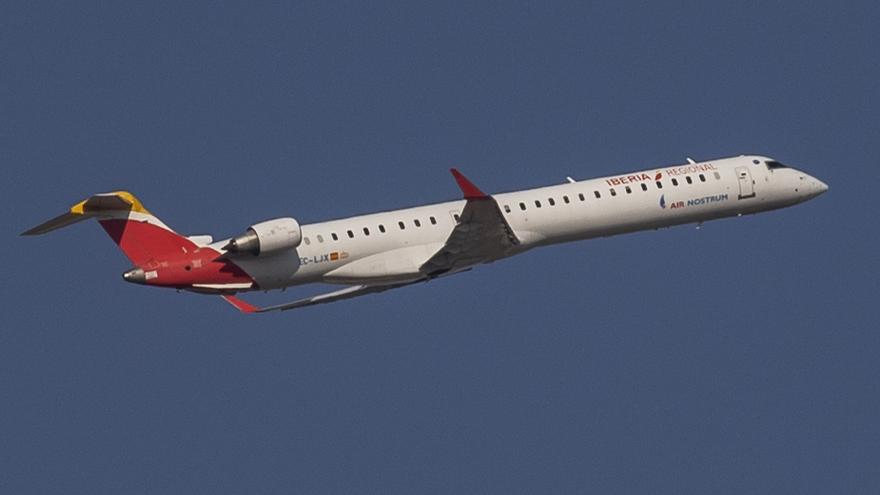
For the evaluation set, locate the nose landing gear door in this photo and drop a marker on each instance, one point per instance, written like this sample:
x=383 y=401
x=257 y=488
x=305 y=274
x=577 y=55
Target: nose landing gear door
x=746 y=184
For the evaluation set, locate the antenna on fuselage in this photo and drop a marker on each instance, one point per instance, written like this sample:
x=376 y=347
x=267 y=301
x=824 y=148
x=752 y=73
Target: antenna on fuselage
x=690 y=160
x=570 y=180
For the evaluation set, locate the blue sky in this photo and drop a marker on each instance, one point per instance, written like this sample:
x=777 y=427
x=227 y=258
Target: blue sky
x=739 y=358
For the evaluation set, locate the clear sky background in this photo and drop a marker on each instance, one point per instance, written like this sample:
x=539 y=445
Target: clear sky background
x=740 y=358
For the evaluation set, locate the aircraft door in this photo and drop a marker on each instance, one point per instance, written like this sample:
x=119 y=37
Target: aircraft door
x=746 y=184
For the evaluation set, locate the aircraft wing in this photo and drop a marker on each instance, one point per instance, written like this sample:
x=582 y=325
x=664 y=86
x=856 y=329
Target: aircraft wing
x=482 y=234
x=346 y=293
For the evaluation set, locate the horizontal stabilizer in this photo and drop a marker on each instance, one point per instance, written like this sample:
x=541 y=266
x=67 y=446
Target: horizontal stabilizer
x=99 y=205
x=62 y=220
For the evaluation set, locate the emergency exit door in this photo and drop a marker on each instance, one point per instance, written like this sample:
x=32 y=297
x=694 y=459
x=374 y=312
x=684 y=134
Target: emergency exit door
x=746 y=184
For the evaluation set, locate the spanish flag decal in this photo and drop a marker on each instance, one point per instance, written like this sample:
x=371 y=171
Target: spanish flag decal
x=338 y=255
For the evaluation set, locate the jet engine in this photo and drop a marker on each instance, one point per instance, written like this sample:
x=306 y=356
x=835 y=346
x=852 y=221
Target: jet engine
x=267 y=237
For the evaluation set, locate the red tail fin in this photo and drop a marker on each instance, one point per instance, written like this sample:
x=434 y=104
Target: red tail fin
x=142 y=241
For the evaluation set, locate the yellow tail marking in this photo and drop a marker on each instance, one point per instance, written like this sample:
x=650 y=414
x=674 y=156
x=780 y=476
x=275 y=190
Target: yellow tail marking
x=116 y=200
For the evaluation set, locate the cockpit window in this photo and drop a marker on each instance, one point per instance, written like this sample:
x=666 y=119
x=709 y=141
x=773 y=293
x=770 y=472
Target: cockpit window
x=771 y=164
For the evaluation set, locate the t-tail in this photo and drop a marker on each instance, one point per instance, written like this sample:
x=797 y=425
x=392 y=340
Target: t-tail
x=161 y=256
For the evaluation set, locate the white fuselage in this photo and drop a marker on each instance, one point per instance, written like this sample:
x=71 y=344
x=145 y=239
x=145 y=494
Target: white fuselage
x=390 y=246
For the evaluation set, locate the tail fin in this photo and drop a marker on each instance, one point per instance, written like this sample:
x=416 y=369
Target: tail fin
x=139 y=234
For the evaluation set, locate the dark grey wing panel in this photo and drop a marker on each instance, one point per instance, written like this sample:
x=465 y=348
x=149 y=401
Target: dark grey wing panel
x=482 y=234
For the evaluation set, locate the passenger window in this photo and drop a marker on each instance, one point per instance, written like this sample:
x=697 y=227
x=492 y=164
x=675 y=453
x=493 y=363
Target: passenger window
x=381 y=228
x=674 y=182
x=688 y=179
x=320 y=238
x=659 y=185
x=334 y=236
x=537 y=203
x=702 y=178
x=506 y=209
x=417 y=222
x=581 y=197
x=565 y=199
x=457 y=218
x=522 y=206
x=306 y=240
x=628 y=190
x=434 y=220
x=644 y=187
x=366 y=231
x=350 y=234
x=613 y=192
x=717 y=176
x=598 y=194
x=401 y=225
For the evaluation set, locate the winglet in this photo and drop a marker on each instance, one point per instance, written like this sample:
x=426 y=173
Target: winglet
x=467 y=187
x=240 y=305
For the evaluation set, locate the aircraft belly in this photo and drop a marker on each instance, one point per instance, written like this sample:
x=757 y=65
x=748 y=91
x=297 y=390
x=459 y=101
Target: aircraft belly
x=397 y=265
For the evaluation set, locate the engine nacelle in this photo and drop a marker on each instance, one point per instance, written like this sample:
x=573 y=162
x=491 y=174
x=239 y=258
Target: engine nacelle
x=268 y=237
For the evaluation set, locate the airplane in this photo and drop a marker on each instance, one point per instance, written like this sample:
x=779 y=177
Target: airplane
x=392 y=249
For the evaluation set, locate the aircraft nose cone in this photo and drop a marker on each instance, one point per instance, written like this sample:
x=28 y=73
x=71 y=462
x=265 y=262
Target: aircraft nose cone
x=818 y=187
x=135 y=276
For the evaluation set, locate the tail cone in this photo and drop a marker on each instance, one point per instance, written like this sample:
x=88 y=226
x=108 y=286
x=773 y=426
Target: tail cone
x=135 y=276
